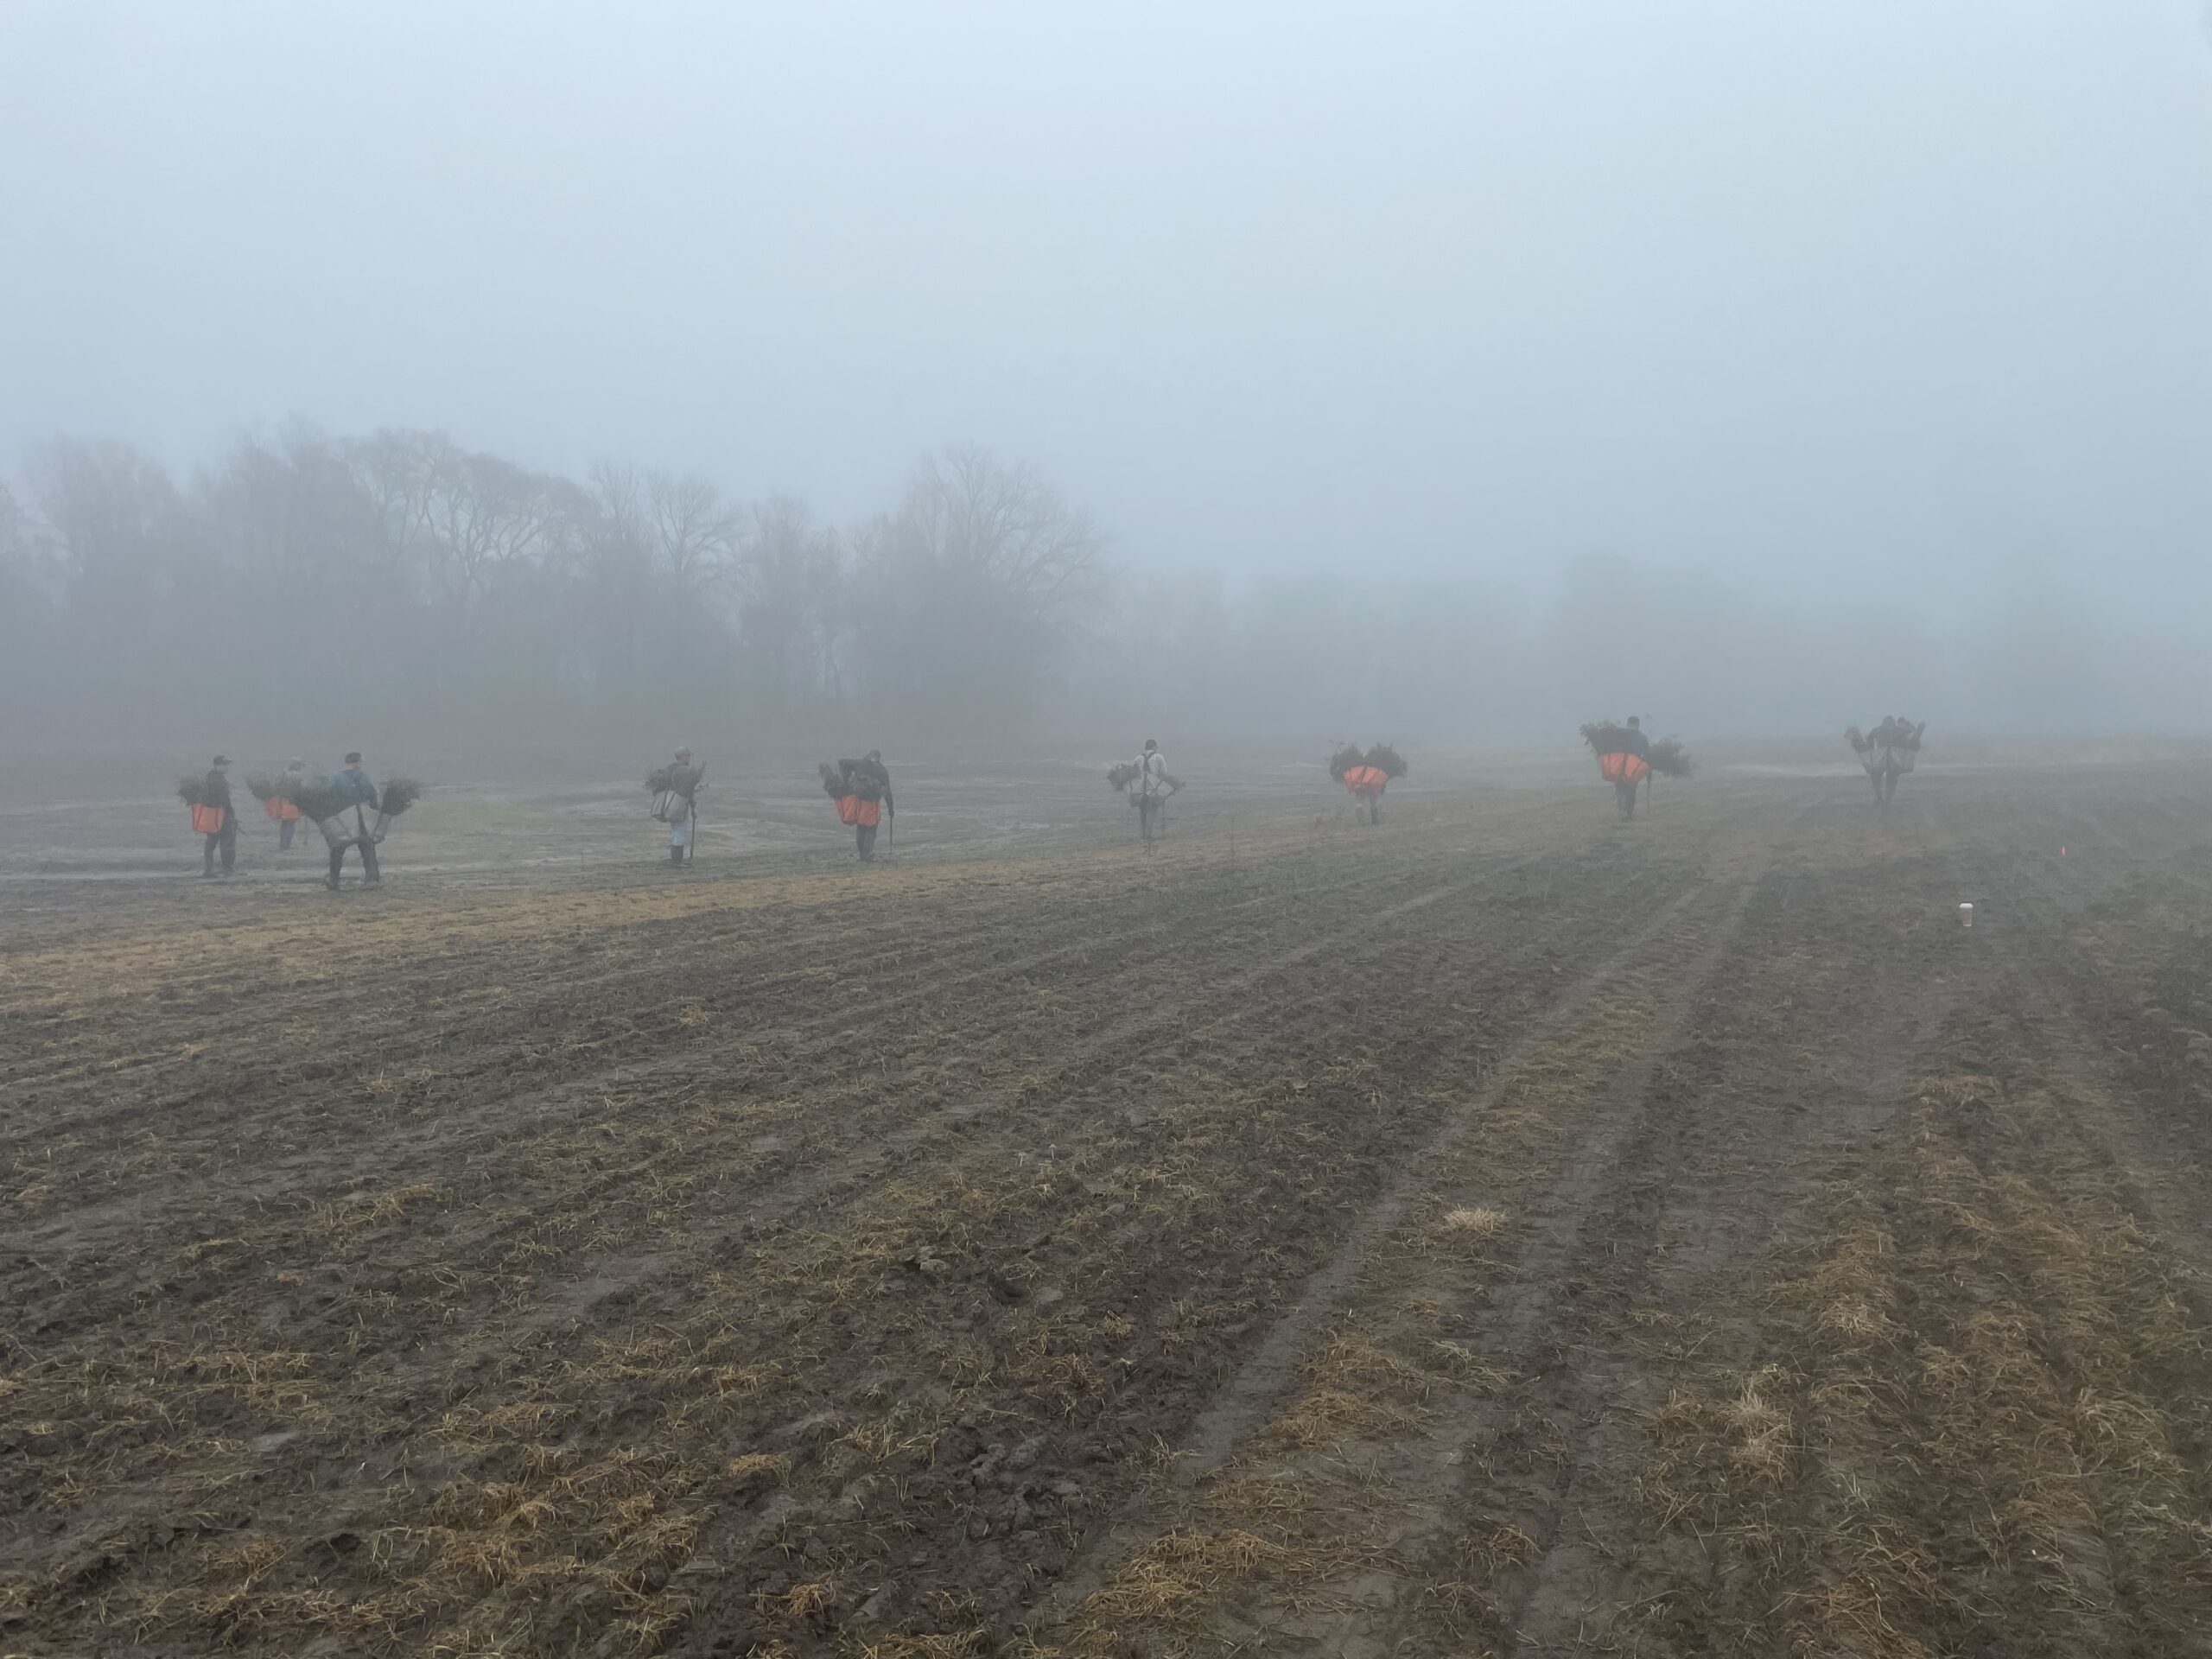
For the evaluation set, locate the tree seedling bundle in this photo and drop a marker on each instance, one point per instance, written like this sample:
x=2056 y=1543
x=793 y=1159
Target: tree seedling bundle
x=1387 y=760
x=315 y=798
x=672 y=780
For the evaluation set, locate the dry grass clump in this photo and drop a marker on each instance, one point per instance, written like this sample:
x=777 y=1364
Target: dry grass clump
x=1474 y=1222
x=757 y=1468
x=1176 y=1575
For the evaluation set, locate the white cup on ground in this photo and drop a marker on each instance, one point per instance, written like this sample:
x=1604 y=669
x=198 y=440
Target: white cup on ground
x=1966 y=915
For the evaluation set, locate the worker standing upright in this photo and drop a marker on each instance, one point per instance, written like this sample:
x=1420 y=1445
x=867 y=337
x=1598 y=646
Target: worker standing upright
x=871 y=800
x=215 y=797
x=1153 y=790
x=683 y=806
x=288 y=815
x=1634 y=742
x=359 y=796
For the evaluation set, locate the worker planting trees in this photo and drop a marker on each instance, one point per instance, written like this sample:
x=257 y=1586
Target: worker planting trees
x=209 y=798
x=1365 y=774
x=676 y=789
x=862 y=790
x=1888 y=752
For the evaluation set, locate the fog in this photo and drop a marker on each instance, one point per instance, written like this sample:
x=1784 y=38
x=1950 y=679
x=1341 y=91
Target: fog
x=1457 y=371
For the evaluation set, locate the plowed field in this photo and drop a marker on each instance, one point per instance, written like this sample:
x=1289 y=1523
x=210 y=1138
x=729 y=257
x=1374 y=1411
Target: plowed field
x=1499 y=1230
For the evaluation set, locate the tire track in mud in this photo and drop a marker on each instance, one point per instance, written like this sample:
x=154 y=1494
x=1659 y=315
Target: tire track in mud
x=1619 y=1570
x=1412 y=993
x=924 y=990
x=1404 y=954
x=475 y=1229
x=810 y=1185
x=1241 y=1409
x=1687 y=1218
x=2133 y=1140
x=930 y=971
x=1439 y=1044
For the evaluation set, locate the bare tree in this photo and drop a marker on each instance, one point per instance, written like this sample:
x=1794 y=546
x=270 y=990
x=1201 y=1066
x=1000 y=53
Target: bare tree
x=695 y=532
x=970 y=589
x=1005 y=526
x=790 y=606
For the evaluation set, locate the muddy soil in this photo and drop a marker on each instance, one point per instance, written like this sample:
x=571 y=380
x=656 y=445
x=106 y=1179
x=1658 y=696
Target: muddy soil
x=1500 y=1229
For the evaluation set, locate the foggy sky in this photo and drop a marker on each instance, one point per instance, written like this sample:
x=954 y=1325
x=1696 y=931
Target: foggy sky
x=1815 y=294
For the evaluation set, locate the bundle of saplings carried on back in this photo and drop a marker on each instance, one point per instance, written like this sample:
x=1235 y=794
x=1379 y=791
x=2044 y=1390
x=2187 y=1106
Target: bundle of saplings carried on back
x=1857 y=738
x=1608 y=737
x=394 y=799
x=193 y=791
x=672 y=787
x=1124 y=775
x=315 y=796
x=1670 y=759
x=276 y=805
x=1365 y=773
x=838 y=782
x=321 y=803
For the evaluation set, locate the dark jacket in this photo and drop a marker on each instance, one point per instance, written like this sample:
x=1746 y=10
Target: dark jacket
x=354 y=788
x=874 y=769
x=216 y=791
x=1635 y=742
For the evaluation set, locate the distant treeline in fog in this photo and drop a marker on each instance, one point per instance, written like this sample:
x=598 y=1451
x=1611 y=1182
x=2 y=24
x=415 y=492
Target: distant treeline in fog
x=400 y=588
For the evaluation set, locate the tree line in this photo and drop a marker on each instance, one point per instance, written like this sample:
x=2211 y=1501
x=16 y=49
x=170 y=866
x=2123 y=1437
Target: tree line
x=403 y=587
x=404 y=580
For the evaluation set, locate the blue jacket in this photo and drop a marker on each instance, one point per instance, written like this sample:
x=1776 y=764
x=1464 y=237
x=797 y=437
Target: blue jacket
x=355 y=787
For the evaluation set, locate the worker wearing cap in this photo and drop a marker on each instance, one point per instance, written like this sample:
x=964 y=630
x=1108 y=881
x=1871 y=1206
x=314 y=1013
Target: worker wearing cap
x=216 y=792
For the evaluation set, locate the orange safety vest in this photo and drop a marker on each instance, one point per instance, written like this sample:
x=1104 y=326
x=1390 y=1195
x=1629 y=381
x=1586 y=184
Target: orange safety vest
x=1367 y=780
x=1622 y=767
